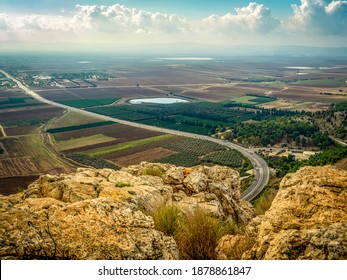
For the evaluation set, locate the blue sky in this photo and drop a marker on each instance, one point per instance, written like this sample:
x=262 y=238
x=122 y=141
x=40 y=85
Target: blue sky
x=115 y=24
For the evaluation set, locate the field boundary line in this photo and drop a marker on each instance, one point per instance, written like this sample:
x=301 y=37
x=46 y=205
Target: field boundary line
x=3 y=131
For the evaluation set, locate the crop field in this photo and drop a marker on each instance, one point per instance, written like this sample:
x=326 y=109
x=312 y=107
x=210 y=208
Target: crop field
x=30 y=113
x=91 y=102
x=195 y=117
x=11 y=185
x=15 y=102
x=26 y=122
x=90 y=141
x=32 y=149
x=166 y=75
x=309 y=94
x=22 y=130
x=114 y=156
x=17 y=167
x=96 y=93
x=128 y=145
x=72 y=118
x=147 y=155
x=84 y=141
x=230 y=158
x=191 y=152
x=219 y=92
x=168 y=149
x=332 y=82
x=117 y=131
x=78 y=127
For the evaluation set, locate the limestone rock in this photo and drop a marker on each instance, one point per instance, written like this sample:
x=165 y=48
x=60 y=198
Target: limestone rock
x=196 y=182
x=307 y=219
x=98 y=214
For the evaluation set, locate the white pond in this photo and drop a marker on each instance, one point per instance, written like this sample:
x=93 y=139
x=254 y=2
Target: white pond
x=157 y=100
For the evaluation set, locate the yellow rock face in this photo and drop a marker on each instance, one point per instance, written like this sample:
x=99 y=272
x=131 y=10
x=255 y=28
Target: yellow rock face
x=307 y=219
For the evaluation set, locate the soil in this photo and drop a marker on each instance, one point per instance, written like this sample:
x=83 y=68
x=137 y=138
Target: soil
x=11 y=185
x=149 y=155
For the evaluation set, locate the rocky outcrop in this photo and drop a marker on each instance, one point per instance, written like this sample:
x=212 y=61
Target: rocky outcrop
x=307 y=220
x=98 y=214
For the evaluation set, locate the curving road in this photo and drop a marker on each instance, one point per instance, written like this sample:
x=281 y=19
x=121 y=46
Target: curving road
x=261 y=170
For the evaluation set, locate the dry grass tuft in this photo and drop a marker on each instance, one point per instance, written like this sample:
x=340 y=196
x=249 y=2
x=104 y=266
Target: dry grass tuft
x=264 y=202
x=197 y=235
x=166 y=218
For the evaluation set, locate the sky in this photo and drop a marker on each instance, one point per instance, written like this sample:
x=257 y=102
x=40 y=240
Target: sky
x=123 y=24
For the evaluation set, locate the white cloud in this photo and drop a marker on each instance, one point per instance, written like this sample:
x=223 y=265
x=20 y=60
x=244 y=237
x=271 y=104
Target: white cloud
x=255 y=18
x=118 y=18
x=117 y=24
x=89 y=21
x=316 y=16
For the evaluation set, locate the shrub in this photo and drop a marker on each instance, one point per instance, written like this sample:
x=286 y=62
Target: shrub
x=197 y=236
x=166 y=218
x=123 y=185
x=153 y=171
x=264 y=202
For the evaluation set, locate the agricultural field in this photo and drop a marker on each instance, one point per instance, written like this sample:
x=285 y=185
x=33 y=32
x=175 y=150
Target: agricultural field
x=78 y=127
x=298 y=94
x=39 y=112
x=90 y=102
x=128 y=145
x=223 y=94
x=10 y=185
x=70 y=119
x=191 y=152
x=27 y=157
x=123 y=146
x=26 y=153
x=152 y=154
x=99 y=93
x=83 y=141
x=195 y=117
x=322 y=82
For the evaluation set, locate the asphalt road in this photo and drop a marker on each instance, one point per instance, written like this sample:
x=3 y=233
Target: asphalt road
x=261 y=170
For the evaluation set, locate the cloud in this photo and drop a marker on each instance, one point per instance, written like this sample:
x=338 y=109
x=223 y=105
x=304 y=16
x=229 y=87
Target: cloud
x=316 y=16
x=88 y=21
x=117 y=24
x=118 y=18
x=255 y=18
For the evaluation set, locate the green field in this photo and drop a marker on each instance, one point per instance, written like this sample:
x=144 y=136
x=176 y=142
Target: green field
x=263 y=99
x=249 y=99
x=231 y=158
x=78 y=127
x=18 y=101
x=192 y=152
x=92 y=161
x=27 y=122
x=128 y=145
x=84 y=141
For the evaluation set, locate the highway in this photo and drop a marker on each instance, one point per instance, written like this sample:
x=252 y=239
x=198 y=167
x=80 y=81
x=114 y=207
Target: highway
x=261 y=170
